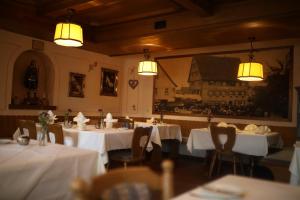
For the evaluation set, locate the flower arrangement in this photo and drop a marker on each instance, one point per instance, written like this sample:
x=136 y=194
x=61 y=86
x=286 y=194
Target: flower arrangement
x=44 y=120
x=101 y=118
x=101 y=112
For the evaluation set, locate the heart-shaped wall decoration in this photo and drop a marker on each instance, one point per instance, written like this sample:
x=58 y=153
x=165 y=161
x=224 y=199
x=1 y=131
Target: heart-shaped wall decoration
x=133 y=83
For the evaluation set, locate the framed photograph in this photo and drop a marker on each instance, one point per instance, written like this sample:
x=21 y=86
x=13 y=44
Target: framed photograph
x=76 y=85
x=109 y=82
x=196 y=77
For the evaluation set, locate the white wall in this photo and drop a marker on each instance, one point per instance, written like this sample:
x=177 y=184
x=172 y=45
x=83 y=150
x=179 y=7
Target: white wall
x=133 y=102
x=142 y=95
x=64 y=60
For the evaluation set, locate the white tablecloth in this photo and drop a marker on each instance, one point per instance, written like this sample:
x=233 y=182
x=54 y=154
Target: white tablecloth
x=246 y=143
x=253 y=189
x=165 y=131
x=43 y=172
x=295 y=166
x=104 y=140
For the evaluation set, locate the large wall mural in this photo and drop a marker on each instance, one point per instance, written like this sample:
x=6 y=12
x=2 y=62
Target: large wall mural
x=200 y=84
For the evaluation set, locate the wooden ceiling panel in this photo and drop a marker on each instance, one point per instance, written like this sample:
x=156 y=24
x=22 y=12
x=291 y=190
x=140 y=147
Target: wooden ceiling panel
x=119 y=27
x=127 y=10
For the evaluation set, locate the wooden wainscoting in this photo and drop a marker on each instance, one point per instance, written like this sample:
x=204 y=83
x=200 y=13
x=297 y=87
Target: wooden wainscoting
x=8 y=124
x=289 y=134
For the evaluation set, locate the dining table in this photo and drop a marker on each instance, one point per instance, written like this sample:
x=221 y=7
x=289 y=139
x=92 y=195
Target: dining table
x=104 y=140
x=247 y=142
x=101 y=140
x=165 y=131
x=43 y=172
x=295 y=165
x=232 y=187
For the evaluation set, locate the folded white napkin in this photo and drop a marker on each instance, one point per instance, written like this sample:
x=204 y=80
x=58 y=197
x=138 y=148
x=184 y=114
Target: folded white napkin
x=233 y=126
x=251 y=128
x=81 y=121
x=110 y=119
x=150 y=121
x=52 y=117
x=222 y=124
x=263 y=130
x=80 y=118
x=219 y=191
x=17 y=133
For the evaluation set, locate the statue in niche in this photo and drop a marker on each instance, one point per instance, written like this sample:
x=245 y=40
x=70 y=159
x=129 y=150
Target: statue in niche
x=31 y=83
x=31 y=76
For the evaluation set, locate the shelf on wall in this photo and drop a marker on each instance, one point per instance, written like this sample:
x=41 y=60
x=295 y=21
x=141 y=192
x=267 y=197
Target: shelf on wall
x=31 y=107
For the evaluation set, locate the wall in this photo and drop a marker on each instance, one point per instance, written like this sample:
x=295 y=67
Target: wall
x=141 y=96
x=64 y=60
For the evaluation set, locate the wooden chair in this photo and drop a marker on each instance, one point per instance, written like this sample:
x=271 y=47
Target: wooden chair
x=57 y=130
x=100 y=184
x=137 y=153
x=30 y=126
x=223 y=149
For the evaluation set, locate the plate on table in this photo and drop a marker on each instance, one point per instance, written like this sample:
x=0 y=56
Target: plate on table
x=5 y=141
x=123 y=128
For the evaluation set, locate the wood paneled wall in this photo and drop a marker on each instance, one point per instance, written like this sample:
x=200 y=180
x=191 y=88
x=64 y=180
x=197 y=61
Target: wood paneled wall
x=288 y=133
x=8 y=124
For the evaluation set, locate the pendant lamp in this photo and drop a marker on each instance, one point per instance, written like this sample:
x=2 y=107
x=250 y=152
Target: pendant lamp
x=251 y=70
x=68 y=34
x=147 y=67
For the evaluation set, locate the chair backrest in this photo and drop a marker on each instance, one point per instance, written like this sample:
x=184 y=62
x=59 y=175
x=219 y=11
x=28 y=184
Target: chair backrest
x=58 y=132
x=131 y=175
x=30 y=126
x=141 y=136
x=216 y=132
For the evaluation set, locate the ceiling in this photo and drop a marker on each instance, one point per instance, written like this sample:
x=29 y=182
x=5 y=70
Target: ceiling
x=122 y=27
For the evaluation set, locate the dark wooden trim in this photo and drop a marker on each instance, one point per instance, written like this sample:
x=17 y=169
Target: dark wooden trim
x=8 y=123
x=224 y=52
x=31 y=107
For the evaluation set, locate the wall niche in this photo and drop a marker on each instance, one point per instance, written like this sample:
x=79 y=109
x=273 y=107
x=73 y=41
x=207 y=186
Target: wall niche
x=33 y=82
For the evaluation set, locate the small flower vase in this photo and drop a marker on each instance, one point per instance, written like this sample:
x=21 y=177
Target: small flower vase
x=161 y=117
x=42 y=137
x=101 y=124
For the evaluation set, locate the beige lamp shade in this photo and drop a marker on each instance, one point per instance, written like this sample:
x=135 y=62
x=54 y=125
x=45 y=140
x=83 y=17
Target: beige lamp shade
x=147 y=68
x=68 y=34
x=250 y=71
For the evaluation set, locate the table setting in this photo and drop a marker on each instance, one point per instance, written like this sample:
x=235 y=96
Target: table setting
x=44 y=118
x=165 y=131
x=252 y=140
x=27 y=172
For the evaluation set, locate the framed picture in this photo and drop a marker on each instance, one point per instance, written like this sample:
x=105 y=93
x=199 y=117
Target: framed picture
x=196 y=77
x=76 y=85
x=109 y=82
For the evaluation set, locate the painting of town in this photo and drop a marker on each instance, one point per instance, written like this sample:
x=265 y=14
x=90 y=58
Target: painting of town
x=201 y=85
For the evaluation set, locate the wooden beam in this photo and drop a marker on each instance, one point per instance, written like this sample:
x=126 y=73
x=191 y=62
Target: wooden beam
x=59 y=8
x=225 y=14
x=201 y=7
